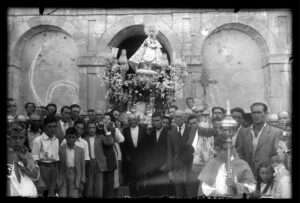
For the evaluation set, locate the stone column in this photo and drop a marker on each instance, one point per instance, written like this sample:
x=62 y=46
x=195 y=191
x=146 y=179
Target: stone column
x=13 y=76
x=277 y=83
x=92 y=89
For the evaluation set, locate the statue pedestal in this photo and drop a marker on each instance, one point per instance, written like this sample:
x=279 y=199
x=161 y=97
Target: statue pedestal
x=146 y=72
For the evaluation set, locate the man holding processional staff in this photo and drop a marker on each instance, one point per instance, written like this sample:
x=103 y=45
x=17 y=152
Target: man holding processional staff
x=226 y=175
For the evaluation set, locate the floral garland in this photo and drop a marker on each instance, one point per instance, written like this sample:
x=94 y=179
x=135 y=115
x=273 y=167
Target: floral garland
x=123 y=88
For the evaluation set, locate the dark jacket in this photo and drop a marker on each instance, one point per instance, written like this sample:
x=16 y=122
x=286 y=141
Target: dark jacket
x=134 y=157
x=157 y=159
x=178 y=151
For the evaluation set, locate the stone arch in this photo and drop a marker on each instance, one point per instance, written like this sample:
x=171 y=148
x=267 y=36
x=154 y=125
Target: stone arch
x=262 y=50
x=255 y=35
x=253 y=27
x=15 y=56
x=39 y=24
x=122 y=29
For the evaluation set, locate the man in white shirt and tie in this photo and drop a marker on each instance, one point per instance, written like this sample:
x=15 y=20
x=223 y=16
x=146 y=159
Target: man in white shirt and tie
x=64 y=123
x=134 y=155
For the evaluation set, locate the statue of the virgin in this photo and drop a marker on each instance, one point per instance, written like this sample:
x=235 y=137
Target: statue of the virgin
x=149 y=54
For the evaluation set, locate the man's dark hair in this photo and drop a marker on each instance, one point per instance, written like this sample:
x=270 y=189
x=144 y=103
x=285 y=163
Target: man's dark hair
x=52 y=104
x=49 y=119
x=173 y=106
x=71 y=131
x=220 y=140
x=157 y=114
x=111 y=114
x=91 y=121
x=64 y=107
x=218 y=107
x=75 y=105
x=189 y=98
x=260 y=104
x=108 y=114
x=79 y=121
x=239 y=110
x=91 y=110
x=192 y=117
x=28 y=103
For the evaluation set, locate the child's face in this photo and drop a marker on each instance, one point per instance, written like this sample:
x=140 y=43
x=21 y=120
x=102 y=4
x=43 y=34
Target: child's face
x=71 y=139
x=265 y=175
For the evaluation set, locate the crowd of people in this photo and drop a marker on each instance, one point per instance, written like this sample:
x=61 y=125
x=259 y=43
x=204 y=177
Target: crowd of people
x=180 y=153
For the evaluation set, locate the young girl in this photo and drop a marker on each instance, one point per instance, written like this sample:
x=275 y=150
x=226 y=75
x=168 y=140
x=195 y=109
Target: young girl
x=265 y=181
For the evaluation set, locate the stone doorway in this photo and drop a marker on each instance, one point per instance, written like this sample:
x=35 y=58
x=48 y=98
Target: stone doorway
x=49 y=69
x=234 y=59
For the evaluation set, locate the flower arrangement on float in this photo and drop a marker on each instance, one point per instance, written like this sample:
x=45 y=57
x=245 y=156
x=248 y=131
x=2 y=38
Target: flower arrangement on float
x=127 y=88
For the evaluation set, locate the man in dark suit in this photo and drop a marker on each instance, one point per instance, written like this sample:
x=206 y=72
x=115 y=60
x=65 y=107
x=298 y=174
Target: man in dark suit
x=99 y=163
x=64 y=123
x=156 y=180
x=134 y=153
x=256 y=144
x=179 y=154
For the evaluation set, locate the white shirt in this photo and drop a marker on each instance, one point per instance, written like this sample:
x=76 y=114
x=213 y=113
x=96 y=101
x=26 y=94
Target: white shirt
x=92 y=141
x=196 y=149
x=45 y=149
x=255 y=139
x=182 y=129
x=158 y=132
x=64 y=126
x=220 y=183
x=134 y=135
x=80 y=143
x=70 y=156
x=32 y=136
x=119 y=139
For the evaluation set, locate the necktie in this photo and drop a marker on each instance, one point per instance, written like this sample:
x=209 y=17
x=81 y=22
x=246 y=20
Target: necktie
x=180 y=131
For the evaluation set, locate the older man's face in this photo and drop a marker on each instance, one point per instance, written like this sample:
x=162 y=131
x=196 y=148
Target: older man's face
x=179 y=118
x=283 y=118
x=133 y=121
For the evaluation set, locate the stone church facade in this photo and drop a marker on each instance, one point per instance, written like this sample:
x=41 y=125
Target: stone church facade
x=59 y=56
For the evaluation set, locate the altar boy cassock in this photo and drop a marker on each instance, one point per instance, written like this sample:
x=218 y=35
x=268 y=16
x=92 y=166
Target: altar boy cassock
x=214 y=178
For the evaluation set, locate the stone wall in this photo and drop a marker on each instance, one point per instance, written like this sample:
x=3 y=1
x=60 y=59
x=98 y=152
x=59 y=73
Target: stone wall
x=259 y=46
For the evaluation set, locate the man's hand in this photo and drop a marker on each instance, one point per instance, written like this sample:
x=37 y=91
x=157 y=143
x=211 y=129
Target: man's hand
x=230 y=180
x=118 y=124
